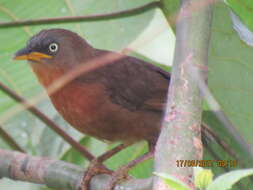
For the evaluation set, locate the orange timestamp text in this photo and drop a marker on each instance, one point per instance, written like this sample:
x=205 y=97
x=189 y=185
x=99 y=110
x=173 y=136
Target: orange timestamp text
x=206 y=163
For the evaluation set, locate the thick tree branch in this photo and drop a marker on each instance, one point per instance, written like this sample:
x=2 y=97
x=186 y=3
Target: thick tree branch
x=56 y=174
x=180 y=137
x=47 y=121
x=95 y=17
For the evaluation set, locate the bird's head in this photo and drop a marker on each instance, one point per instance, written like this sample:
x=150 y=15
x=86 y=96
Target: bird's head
x=54 y=51
x=55 y=47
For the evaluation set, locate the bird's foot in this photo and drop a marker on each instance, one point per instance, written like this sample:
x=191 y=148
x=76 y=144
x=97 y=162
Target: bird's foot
x=118 y=176
x=122 y=173
x=94 y=168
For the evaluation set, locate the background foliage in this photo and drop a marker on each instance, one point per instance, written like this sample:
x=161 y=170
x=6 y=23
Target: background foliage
x=150 y=37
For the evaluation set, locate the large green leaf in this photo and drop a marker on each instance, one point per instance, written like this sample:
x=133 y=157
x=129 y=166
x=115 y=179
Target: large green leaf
x=230 y=69
x=230 y=82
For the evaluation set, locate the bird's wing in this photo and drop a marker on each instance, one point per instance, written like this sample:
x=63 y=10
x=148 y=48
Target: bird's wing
x=136 y=85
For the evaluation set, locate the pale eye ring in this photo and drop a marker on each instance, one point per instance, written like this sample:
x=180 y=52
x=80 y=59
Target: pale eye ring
x=53 y=47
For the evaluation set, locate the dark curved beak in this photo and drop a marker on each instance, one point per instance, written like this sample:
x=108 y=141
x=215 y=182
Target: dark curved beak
x=27 y=54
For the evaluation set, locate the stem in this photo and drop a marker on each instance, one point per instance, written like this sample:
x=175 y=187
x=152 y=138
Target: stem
x=9 y=140
x=95 y=17
x=220 y=141
x=180 y=138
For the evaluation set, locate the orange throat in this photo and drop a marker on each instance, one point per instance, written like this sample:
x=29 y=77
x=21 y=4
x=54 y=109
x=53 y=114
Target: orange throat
x=47 y=74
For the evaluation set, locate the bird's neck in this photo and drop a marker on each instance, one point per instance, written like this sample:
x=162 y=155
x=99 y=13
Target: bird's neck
x=47 y=74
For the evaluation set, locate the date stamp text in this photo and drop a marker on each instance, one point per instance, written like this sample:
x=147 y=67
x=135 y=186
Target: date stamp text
x=206 y=163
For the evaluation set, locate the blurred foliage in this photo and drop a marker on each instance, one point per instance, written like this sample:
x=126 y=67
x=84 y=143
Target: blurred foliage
x=150 y=38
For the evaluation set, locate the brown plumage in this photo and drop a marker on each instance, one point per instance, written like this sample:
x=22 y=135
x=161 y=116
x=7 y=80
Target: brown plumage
x=121 y=101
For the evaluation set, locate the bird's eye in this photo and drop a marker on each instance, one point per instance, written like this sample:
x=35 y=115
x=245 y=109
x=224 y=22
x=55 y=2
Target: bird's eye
x=53 y=47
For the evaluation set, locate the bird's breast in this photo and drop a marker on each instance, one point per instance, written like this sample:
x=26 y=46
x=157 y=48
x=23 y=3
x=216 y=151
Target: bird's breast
x=79 y=104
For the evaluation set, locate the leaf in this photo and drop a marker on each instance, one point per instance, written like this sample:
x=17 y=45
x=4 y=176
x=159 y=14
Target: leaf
x=227 y=180
x=243 y=31
x=202 y=177
x=230 y=79
x=172 y=182
x=243 y=9
x=95 y=146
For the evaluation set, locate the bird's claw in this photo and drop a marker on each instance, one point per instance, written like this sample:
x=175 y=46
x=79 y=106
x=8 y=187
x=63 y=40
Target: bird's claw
x=94 y=168
x=118 y=176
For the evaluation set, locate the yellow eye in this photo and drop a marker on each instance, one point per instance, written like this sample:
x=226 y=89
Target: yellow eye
x=53 y=47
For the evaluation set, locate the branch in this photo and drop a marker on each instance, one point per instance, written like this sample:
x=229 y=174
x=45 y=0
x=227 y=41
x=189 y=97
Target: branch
x=180 y=137
x=47 y=121
x=9 y=140
x=56 y=174
x=223 y=144
x=95 y=17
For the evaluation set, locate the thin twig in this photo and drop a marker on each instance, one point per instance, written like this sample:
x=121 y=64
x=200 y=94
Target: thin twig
x=9 y=140
x=95 y=17
x=47 y=121
x=222 y=143
x=108 y=154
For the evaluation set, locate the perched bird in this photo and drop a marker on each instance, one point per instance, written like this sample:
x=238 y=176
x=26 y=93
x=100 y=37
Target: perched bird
x=119 y=101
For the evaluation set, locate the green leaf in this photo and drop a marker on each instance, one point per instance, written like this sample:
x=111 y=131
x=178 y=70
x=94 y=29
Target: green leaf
x=172 y=182
x=170 y=9
x=230 y=80
x=95 y=146
x=244 y=9
x=202 y=177
x=227 y=180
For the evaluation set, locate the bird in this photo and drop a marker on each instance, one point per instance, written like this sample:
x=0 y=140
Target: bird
x=122 y=100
